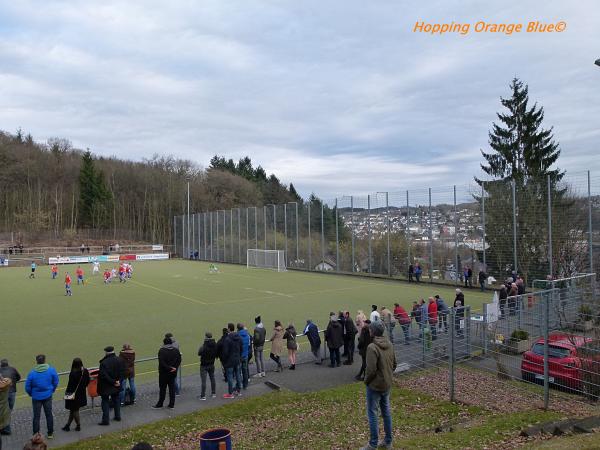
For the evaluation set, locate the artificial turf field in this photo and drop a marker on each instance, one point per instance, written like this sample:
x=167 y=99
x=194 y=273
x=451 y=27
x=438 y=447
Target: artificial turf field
x=177 y=296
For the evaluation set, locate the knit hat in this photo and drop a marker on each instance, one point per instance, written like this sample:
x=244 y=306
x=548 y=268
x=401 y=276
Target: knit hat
x=109 y=349
x=208 y=335
x=257 y=319
x=376 y=328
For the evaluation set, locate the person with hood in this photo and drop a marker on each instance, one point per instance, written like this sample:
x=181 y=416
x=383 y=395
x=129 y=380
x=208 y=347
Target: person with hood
x=220 y=346
x=40 y=384
x=364 y=339
x=5 y=386
x=460 y=297
x=350 y=332
x=6 y=371
x=381 y=363
x=291 y=344
x=246 y=340
x=231 y=357
x=258 y=341
x=334 y=336
x=277 y=345
x=110 y=374
x=432 y=313
x=443 y=312
x=79 y=378
x=207 y=353
x=169 y=360
x=127 y=354
x=404 y=320
x=312 y=333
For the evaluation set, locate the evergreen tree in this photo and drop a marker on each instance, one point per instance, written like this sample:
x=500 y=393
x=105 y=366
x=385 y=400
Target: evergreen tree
x=523 y=152
x=93 y=193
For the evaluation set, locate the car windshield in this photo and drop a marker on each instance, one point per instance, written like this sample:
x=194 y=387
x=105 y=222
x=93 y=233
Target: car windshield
x=553 y=351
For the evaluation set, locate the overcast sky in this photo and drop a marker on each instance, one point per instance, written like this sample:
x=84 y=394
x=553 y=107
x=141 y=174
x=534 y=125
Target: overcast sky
x=338 y=97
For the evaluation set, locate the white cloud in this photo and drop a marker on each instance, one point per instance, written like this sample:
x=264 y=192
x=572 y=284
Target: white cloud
x=337 y=97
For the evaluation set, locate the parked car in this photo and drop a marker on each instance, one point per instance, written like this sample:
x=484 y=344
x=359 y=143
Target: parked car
x=564 y=366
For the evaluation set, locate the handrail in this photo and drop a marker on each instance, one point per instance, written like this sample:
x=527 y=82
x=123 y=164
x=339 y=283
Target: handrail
x=150 y=358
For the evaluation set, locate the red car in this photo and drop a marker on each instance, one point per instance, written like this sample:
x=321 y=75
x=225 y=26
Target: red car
x=564 y=366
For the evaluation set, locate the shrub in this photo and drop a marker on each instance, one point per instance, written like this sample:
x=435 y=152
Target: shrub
x=585 y=312
x=519 y=335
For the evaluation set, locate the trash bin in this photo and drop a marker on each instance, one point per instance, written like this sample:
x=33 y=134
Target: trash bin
x=93 y=385
x=216 y=439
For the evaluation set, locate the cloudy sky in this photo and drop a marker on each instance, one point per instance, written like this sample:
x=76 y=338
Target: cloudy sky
x=336 y=97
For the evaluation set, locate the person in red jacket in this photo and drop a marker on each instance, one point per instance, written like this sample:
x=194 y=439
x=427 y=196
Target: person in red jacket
x=403 y=319
x=433 y=317
x=68 y=284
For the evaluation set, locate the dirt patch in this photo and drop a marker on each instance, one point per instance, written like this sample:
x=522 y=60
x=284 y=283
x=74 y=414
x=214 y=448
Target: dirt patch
x=487 y=391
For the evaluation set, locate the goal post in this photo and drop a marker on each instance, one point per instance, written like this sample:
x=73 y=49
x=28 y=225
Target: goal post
x=266 y=259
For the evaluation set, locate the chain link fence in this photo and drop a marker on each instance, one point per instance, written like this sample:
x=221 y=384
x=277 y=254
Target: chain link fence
x=442 y=234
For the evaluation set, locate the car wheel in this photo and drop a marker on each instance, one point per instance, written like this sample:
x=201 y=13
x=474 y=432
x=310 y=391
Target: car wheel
x=527 y=376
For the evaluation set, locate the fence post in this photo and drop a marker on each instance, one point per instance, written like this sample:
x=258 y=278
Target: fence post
x=247 y=234
x=590 y=243
x=211 y=237
x=255 y=228
x=369 y=230
x=175 y=232
x=309 y=239
x=452 y=356
x=387 y=216
x=545 y=331
x=408 y=230
x=239 y=236
x=352 y=223
x=285 y=247
x=274 y=226
x=430 y=241
x=337 y=239
x=265 y=223
x=483 y=223
x=455 y=239
x=322 y=235
x=297 y=237
x=217 y=235
x=514 y=214
x=231 y=232
x=550 y=262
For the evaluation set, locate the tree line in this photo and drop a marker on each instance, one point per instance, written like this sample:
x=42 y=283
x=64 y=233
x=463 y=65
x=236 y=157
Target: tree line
x=52 y=191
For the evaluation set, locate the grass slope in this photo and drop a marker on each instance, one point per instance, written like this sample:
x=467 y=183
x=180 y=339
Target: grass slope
x=329 y=419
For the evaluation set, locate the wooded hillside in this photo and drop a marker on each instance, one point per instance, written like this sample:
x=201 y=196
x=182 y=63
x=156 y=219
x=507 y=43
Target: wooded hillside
x=53 y=191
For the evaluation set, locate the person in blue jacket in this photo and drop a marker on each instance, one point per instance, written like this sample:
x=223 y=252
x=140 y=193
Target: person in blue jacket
x=243 y=333
x=312 y=333
x=40 y=385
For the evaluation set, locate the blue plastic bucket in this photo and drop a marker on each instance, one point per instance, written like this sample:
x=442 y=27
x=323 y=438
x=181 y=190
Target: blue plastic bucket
x=216 y=439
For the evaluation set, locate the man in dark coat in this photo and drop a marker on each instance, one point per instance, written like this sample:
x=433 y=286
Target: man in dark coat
x=312 y=333
x=350 y=332
x=220 y=344
x=231 y=358
x=109 y=384
x=6 y=371
x=334 y=336
x=169 y=360
x=207 y=354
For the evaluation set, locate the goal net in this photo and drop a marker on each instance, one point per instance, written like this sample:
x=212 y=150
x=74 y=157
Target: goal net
x=266 y=259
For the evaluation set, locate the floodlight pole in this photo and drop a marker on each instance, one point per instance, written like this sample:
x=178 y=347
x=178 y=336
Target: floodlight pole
x=387 y=218
x=297 y=242
x=285 y=231
x=337 y=239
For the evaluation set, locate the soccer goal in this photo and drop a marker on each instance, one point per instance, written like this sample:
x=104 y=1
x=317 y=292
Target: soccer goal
x=266 y=259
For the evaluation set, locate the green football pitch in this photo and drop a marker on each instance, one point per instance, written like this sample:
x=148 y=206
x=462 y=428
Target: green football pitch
x=179 y=297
